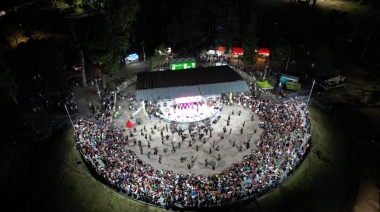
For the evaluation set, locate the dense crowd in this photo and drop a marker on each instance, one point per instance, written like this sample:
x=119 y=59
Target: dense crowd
x=280 y=148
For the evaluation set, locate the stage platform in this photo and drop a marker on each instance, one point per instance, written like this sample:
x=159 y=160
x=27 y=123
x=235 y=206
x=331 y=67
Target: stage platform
x=185 y=113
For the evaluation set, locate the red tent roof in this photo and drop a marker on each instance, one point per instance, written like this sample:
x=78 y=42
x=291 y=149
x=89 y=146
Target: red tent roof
x=265 y=51
x=237 y=50
x=129 y=124
x=220 y=49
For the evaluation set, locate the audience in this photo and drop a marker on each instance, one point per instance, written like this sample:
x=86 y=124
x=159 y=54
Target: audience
x=280 y=148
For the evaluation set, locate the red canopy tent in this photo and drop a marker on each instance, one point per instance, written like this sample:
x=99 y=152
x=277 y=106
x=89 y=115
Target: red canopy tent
x=264 y=51
x=220 y=49
x=238 y=51
x=129 y=124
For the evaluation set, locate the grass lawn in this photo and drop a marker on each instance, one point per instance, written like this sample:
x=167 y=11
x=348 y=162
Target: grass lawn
x=321 y=183
x=50 y=176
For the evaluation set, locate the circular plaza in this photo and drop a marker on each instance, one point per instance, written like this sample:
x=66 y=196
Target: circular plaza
x=193 y=151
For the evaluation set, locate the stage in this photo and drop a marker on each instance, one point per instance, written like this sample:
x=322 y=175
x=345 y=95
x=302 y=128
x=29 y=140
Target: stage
x=188 y=109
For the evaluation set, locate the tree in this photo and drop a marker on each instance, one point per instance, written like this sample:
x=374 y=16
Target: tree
x=8 y=86
x=113 y=38
x=192 y=22
x=324 y=62
x=71 y=3
x=51 y=63
x=174 y=31
x=250 y=42
x=77 y=45
x=158 y=59
x=228 y=22
x=281 y=51
x=88 y=6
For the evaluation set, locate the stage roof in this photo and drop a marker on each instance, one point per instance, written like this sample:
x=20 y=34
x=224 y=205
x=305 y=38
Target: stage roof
x=190 y=82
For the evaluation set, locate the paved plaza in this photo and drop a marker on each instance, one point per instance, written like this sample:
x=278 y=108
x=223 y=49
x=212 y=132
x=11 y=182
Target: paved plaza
x=230 y=146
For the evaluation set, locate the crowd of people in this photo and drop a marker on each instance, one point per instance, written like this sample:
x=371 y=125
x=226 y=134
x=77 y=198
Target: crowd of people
x=280 y=149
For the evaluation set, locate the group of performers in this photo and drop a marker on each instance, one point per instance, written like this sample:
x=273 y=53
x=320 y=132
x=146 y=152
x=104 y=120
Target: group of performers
x=191 y=105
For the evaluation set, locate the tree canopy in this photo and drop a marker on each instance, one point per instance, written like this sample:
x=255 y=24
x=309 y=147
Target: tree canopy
x=250 y=42
x=113 y=39
x=281 y=51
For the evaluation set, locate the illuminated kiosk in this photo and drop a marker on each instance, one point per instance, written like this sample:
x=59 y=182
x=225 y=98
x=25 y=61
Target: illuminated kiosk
x=187 y=96
x=132 y=58
x=182 y=63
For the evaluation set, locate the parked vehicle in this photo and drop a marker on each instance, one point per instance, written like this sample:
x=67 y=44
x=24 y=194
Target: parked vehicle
x=331 y=83
x=77 y=67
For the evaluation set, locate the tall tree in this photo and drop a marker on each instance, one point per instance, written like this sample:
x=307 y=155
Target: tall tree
x=281 y=52
x=51 y=63
x=78 y=46
x=159 y=59
x=174 y=31
x=8 y=86
x=87 y=6
x=228 y=23
x=113 y=39
x=324 y=62
x=192 y=21
x=71 y=3
x=250 y=42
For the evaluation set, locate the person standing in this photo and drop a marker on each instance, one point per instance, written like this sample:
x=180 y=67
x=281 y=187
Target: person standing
x=206 y=162
x=219 y=158
x=173 y=148
x=159 y=158
x=210 y=151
